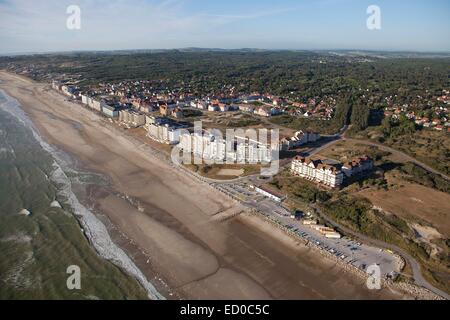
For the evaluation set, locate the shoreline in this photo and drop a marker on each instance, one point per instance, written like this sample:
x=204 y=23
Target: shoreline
x=92 y=227
x=192 y=236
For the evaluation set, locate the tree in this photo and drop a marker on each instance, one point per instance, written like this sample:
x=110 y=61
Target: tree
x=360 y=116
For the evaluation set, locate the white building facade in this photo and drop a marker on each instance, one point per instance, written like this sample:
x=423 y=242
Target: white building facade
x=132 y=118
x=317 y=171
x=213 y=147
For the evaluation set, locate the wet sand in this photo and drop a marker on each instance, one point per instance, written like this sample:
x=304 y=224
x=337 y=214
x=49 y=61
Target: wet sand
x=197 y=256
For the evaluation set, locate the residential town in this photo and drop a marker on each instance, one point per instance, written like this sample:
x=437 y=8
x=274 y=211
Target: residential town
x=148 y=96
x=160 y=116
x=171 y=150
x=435 y=117
x=309 y=180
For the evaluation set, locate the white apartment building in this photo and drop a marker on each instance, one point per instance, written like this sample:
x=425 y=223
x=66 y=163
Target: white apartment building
x=97 y=105
x=252 y=151
x=93 y=103
x=317 y=171
x=211 y=147
x=132 y=118
x=85 y=99
x=163 y=133
x=206 y=146
x=357 y=165
x=300 y=138
x=68 y=90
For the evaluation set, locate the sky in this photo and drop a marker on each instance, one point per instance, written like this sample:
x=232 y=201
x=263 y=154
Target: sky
x=40 y=25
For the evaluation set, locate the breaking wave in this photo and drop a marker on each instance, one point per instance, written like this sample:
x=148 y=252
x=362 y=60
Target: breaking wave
x=94 y=229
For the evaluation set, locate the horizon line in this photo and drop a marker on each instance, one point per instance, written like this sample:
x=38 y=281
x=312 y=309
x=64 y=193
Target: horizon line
x=25 y=53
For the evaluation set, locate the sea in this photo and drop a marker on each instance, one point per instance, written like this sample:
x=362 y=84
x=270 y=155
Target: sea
x=48 y=239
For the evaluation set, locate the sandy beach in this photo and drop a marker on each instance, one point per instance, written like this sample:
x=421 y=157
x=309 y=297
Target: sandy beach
x=173 y=232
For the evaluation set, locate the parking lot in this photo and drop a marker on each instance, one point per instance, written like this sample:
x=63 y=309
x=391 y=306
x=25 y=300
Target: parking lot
x=346 y=249
x=352 y=252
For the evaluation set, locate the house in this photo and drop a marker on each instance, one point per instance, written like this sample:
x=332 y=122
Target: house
x=164 y=110
x=224 y=107
x=266 y=112
x=177 y=113
x=436 y=122
x=213 y=107
x=246 y=108
x=146 y=106
x=201 y=105
x=252 y=98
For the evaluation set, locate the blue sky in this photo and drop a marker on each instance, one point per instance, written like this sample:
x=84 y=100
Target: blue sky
x=40 y=25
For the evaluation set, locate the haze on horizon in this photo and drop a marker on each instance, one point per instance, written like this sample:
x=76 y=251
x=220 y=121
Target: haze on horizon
x=40 y=25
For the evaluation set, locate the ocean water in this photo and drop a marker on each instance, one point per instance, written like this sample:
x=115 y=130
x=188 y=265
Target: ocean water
x=36 y=250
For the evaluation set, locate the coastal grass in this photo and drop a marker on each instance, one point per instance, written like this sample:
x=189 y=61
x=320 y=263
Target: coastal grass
x=356 y=212
x=213 y=171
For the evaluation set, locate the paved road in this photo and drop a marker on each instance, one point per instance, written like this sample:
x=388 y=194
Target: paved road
x=401 y=154
x=405 y=157
x=415 y=266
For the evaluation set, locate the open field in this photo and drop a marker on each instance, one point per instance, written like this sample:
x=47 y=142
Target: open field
x=415 y=202
x=427 y=145
x=406 y=199
x=345 y=150
x=240 y=120
x=410 y=202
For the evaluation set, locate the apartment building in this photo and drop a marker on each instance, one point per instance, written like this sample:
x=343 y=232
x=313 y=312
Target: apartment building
x=267 y=112
x=317 y=171
x=163 y=132
x=210 y=147
x=85 y=99
x=357 y=165
x=131 y=118
x=111 y=111
x=252 y=151
x=207 y=146
x=69 y=91
x=300 y=138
